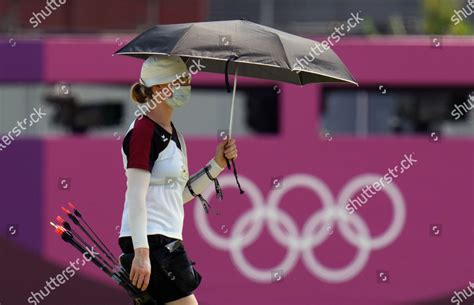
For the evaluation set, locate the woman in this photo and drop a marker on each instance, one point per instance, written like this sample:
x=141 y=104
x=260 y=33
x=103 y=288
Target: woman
x=158 y=184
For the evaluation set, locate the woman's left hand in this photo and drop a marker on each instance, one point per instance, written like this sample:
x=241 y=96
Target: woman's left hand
x=225 y=149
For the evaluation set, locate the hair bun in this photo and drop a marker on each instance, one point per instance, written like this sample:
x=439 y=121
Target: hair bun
x=139 y=93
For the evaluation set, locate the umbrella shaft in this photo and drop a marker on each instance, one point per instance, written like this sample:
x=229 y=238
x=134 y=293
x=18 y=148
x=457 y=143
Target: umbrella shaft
x=233 y=101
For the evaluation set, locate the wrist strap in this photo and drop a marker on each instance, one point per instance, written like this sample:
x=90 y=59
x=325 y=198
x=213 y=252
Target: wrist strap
x=204 y=203
x=217 y=186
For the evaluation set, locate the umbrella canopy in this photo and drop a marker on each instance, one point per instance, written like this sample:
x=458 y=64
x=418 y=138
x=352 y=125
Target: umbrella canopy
x=260 y=51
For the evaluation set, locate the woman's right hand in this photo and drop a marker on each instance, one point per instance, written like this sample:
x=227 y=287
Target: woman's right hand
x=141 y=268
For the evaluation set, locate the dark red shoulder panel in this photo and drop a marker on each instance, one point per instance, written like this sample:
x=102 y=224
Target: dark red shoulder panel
x=140 y=145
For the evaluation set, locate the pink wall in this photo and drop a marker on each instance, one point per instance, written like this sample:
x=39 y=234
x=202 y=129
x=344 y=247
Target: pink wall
x=436 y=190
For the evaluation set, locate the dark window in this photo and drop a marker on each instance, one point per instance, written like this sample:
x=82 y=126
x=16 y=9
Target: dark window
x=398 y=111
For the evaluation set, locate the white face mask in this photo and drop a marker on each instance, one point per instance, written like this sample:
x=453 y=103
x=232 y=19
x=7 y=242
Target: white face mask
x=180 y=98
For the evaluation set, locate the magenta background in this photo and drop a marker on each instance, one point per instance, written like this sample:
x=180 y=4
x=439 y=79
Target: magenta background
x=438 y=189
x=419 y=265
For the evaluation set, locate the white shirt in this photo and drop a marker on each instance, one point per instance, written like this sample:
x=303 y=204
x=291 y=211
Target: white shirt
x=167 y=191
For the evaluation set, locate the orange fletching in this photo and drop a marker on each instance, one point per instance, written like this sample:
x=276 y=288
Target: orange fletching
x=66 y=210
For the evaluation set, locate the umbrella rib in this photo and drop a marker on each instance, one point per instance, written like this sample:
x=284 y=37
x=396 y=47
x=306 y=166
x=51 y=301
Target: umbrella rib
x=284 y=50
x=286 y=57
x=182 y=37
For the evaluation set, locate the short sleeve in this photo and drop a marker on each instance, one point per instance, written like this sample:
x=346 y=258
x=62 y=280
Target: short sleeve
x=138 y=145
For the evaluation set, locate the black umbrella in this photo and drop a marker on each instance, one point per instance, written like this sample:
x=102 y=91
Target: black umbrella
x=244 y=48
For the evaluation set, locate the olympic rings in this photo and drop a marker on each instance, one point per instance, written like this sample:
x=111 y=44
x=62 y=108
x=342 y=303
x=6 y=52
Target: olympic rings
x=333 y=212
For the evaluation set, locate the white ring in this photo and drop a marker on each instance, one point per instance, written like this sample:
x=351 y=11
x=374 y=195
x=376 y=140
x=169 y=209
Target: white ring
x=397 y=202
x=263 y=275
x=332 y=212
x=344 y=274
x=305 y=181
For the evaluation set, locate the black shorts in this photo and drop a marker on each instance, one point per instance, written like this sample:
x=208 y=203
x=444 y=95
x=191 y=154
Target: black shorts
x=172 y=277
